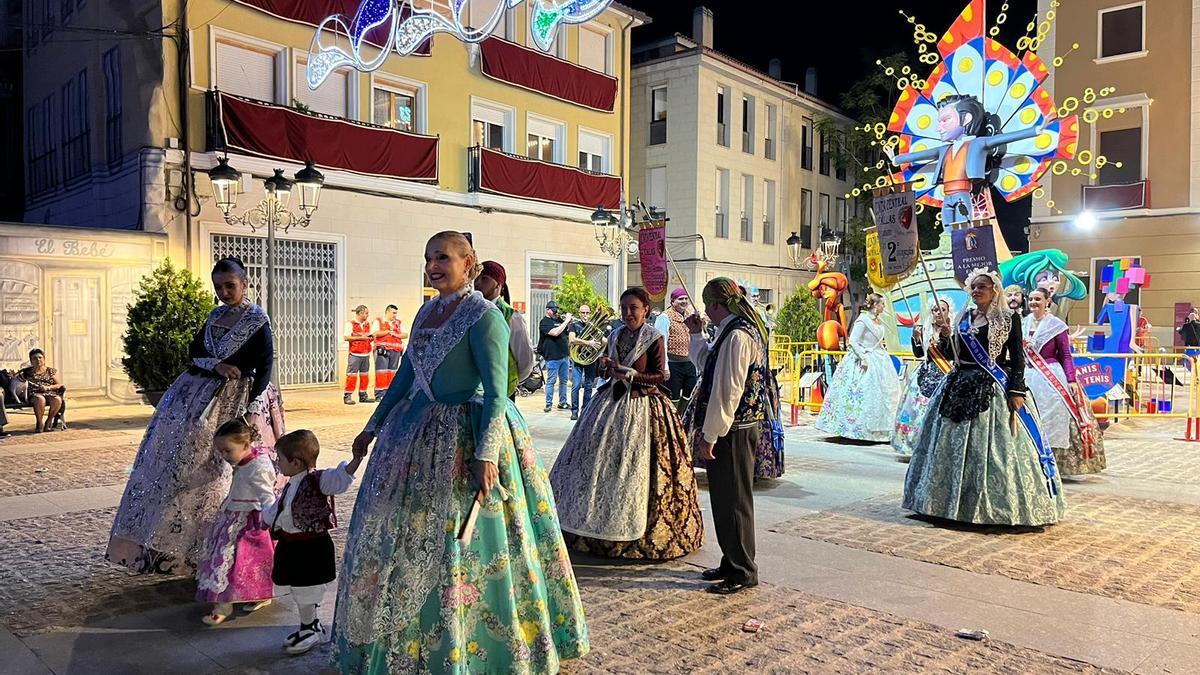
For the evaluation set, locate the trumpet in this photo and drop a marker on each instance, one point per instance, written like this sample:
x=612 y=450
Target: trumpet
x=595 y=330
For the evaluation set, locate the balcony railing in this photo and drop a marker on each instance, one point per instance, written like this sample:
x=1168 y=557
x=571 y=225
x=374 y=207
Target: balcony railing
x=769 y=148
x=77 y=156
x=511 y=175
x=43 y=176
x=747 y=142
x=768 y=232
x=747 y=229
x=265 y=129
x=1117 y=197
x=722 y=136
x=658 y=132
x=721 y=230
x=806 y=157
x=806 y=236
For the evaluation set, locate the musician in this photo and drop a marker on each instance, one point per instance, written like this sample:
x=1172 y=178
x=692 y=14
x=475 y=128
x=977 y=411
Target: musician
x=623 y=481
x=583 y=374
x=670 y=323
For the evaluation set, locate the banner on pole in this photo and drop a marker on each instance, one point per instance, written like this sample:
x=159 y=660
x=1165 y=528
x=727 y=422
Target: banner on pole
x=896 y=223
x=652 y=252
x=875 y=270
x=973 y=247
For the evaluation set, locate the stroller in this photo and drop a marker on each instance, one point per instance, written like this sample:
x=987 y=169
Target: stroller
x=536 y=379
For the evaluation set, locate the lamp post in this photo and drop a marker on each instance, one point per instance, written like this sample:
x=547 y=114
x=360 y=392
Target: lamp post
x=272 y=211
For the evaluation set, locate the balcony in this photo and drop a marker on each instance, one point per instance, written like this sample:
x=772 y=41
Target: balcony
x=531 y=69
x=721 y=230
x=237 y=124
x=769 y=148
x=510 y=175
x=313 y=12
x=658 y=132
x=747 y=229
x=1117 y=197
x=722 y=135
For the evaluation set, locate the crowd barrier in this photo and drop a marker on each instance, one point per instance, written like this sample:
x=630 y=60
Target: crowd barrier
x=1159 y=385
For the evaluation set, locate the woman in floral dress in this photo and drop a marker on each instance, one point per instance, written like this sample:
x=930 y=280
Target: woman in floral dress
x=178 y=483
x=624 y=477
x=862 y=398
x=419 y=592
x=931 y=341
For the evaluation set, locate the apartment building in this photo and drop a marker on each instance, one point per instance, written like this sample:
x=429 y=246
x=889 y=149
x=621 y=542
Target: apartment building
x=501 y=140
x=733 y=156
x=1149 y=206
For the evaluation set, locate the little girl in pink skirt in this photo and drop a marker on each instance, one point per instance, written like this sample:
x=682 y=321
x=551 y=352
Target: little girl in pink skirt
x=235 y=558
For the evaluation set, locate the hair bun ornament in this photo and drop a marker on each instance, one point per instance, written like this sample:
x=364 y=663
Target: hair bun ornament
x=986 y=272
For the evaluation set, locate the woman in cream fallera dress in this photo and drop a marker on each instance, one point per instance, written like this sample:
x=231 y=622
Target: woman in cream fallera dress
x=862 y=398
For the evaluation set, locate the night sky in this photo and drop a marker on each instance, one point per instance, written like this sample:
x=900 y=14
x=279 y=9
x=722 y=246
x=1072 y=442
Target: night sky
x=841 y=39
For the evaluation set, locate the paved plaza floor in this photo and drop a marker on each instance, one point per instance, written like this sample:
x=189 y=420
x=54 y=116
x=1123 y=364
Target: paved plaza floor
x=851 y=582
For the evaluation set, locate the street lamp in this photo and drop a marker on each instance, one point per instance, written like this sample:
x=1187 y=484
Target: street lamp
x=793 y=244
x=612 y=231
x=272 y=211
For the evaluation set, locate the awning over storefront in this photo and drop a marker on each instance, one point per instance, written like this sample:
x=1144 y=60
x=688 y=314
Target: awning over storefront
x=514 y=176
x=531 y=69
x=313 y=12
x=267 y=130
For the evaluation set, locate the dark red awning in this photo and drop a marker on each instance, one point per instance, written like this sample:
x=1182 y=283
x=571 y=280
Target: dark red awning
x=313 y=12
x=531 y=69
x=283 y=133
x=1117 y=197
x=513 y=176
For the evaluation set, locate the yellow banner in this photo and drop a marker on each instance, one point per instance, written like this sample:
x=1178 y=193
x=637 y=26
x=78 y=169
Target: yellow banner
x=875 y=263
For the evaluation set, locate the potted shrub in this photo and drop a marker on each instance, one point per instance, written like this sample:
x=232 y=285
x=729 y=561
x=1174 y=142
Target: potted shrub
x=169 y=307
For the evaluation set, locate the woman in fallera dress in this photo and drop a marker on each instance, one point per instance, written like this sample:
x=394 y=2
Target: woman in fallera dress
x=930 y=341
x=178 y=483
x=862 y=398
x=979 y=457
x=624 y=479
x=1066 y=416
x=416 y=594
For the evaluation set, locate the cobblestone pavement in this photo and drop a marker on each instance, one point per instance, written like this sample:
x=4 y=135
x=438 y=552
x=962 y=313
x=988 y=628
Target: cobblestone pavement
x=66 y=469
x=1132 y=549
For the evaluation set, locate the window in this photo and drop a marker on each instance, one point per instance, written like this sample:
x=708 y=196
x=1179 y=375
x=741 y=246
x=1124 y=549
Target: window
x=722 y=225
x=43 y=171
x=77 y=155
x=1122 y=31
x=491 y=125
x=806 y=144
x=823 y=211
x=113 y=91
x=1124 y=146
x=658 y=115
x=748 y=124
x=594 y=151
x=806 y=218
x=723 y=117
x=656 y=187
x=331 y=98
x=772 y=123
x=544 y=140
x=394 y=107
x=594 y=50
x=826 y=155
x=246 y=72
x=482 y=11
x=558 y=46
x=768 y=212
x=747 y=208
x=842 y=212
x=839 y=172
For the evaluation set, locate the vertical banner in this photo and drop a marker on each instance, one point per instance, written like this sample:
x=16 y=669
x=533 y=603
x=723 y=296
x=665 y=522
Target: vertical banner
x=896 y=223
x=652 y=252
x=875 y=267
x=973 y=247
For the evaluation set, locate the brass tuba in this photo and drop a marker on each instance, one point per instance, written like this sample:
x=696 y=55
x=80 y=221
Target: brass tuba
x=595 y=330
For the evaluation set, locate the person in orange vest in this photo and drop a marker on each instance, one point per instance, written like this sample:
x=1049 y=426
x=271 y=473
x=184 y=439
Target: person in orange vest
x=389 y=347
x=358 y=368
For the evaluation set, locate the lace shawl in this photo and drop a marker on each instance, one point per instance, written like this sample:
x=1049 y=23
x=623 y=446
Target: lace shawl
x=428 y=355
x=1047 y=330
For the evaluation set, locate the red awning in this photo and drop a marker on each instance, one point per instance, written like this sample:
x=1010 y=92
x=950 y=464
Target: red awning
x=532 y=179
x=313 y=12
x=531 y=69
x=283 y=133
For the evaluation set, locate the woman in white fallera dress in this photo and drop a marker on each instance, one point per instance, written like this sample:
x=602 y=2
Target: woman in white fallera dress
x=862 y=398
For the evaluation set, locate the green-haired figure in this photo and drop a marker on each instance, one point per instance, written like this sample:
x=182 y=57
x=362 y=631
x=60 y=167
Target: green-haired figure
x=1046 y=269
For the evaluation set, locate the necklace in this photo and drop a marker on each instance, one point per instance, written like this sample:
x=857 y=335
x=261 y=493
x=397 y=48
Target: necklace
x=444 y=301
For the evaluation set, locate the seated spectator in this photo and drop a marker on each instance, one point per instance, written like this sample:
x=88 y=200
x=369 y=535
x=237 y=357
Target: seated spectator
x=45 y=390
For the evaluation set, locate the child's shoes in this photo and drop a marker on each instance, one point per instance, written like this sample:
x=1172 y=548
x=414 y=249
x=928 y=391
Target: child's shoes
x=309 y=636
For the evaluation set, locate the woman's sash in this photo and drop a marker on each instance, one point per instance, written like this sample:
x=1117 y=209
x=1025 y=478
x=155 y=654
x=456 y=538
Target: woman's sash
x=1045 y=452
x=1073 y=406
x=939 y=359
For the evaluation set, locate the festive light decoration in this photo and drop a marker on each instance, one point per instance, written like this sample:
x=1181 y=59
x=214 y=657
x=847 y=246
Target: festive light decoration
x=407 y=27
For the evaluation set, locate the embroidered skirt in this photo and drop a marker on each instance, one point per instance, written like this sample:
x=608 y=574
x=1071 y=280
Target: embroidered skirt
x=178 y=483
x=861 y=403
x=412 y=598
x=235 y=559
x=914 y=405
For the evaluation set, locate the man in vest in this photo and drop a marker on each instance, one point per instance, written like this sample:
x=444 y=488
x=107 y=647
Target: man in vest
x=493 y=284
x=358 y=368
x=389 y=347
x=670 y=323
x=729 y=410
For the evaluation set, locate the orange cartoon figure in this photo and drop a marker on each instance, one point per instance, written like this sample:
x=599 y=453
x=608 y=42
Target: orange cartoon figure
x=827 y=288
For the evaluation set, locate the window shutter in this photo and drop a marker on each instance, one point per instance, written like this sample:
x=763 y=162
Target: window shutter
x=245 y=72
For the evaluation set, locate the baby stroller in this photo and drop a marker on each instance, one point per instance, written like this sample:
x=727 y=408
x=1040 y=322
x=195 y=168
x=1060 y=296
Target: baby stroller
x=535 y=379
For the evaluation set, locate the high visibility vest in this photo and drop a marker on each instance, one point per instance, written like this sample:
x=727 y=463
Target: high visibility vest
x=360 y=347
x=390 y=342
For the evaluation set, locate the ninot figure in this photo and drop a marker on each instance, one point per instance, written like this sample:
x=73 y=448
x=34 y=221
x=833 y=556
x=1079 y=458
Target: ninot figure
x=971 y=138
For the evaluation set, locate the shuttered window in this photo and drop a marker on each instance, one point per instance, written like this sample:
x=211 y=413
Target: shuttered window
x=245 y=71
x=329 y=98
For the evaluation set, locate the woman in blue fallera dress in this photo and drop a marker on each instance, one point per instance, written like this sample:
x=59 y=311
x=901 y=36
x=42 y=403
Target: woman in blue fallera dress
x=412 y=596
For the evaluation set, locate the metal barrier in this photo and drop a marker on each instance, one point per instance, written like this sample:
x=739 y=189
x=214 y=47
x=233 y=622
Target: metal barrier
x=1163 y=385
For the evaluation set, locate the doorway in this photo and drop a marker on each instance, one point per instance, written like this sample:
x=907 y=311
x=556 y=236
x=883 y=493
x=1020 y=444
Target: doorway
x=77 y=331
